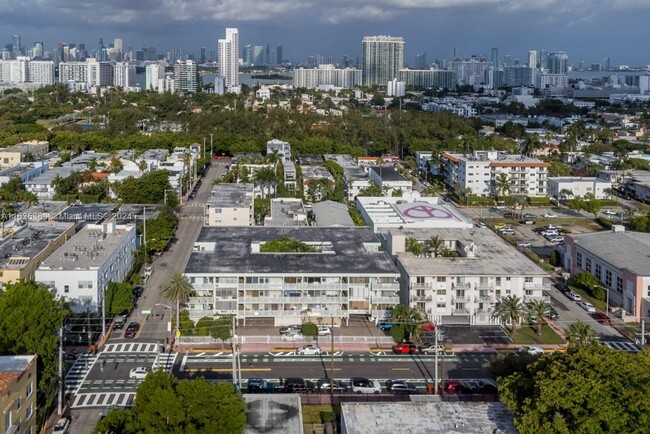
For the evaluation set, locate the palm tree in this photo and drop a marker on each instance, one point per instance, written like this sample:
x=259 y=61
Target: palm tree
x=537 y=310
x=178 y=289
x=510 y=309
x=566 y=193
x=502 y=184
x=434 y=246
x=531 y=144
x=410 y=319
x=142 y=165
x=610 y=192
x=273 y=158
x=581 y=335
x=414 y=246
x=266 y=177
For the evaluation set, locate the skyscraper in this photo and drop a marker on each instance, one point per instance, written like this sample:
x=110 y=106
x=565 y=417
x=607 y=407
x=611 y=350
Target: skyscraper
x=606 y=64
x=420 y=61
x=278 y=53
x=532 y=59
x=558 y=63
x=382 y=57
x=154 y=73
x=495 y=57
x=117 y=49
x=37 y=51
x=202 y=56
x=228 y=58
x=15 y=45
x=185 y=76
x=543 y=59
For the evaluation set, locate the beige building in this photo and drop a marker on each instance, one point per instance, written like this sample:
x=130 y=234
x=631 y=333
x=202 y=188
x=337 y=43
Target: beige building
x=23 y=251
x=18 y=394
x=230 y=205
x=22 y=152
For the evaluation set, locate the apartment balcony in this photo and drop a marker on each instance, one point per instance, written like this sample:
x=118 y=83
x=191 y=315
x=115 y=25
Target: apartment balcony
x=485 y=286
x=202 y=286
x=461 y=299
x=290 y=313
x=537 y=286
x=386 y=286
x=201 y=300
x=384 y=300
x=460 y=311
x=421 y=286
x=421 y=298
x=483 y=312
x=484 y=299
x=293 y=300
x=461 y=285
x=530 y=298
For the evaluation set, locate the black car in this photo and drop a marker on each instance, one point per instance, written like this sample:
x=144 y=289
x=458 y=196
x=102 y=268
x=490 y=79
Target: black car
x=137 y=291
x=295 y=385
x=399 y=387
x=552 y=313
x=482 y=387
x=259 y=385
x=324 y=385
x=132 y=330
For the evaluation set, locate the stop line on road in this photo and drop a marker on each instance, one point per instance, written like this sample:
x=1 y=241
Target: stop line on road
x=104 y=399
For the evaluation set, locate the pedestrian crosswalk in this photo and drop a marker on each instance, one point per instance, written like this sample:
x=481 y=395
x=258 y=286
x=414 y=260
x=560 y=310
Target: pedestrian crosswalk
x=194 y=205
x=192 y=217
x=104 y=399
x=78 y=372
x=623 y=346
x=132 y=347
x=164 y=361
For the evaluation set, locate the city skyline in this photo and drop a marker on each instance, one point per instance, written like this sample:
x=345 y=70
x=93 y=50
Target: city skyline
x=587 y=31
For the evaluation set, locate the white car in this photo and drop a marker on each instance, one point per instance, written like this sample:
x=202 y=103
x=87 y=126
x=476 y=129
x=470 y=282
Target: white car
x=550 y=233
x=324 y=331
x=549 y=215
x=524 y=244
x=573 y=296
x=535 y=351
x=292 y=336
x=558 y=239
x=61 y=426
x=363 y=385
x=139 y=373
x=509 y=232
x=609 y=212
x=587 y=306
x=310 y=350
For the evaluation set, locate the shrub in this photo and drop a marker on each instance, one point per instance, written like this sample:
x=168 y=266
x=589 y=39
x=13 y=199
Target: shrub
x=534 y=200
x=605 y=222
x=309 y=329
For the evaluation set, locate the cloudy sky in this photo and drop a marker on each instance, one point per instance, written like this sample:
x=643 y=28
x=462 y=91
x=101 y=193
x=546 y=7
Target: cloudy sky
x=586 y=29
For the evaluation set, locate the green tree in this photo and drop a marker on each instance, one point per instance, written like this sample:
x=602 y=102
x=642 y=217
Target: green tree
x=414 y=246
x=266 y=177
x=178 y=289
x=434 y=246
x=166 y=405
x=537 y=310
x=408 y=323
x=160 y=230
x=502 y=185
x=30 y=316
x=223 y=328
x=119 y=297
x=286 y=245
x=373 y=190
x=149 y=188
x=581 y=335
x=204 y=326
x=510 y=310
x=592 y=206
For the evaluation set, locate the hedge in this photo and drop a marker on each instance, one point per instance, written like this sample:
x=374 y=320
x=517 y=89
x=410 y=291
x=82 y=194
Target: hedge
x=480 y=200
x=607 y=202
x=605 y=222
x=534 y=200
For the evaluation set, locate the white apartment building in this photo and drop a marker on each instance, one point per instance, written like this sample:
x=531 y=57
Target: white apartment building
x=185 y=76
x=354 y=177
x=422 y=159
x=477 y=173
x=347 y=275
x=228 y=58
x=428 y=78
x=395 y=88
x=99 y=73
x=326 y=75
x=466 y=288
x=23 y=70
x=381 y=58
x=154 y=73
x=283 y=148
x=43 y=185
x=578 y=187
x=73 y=71
x=545 y=80
x=230 y=205
x=124 y=75
x=82 y=268
x=389 y=180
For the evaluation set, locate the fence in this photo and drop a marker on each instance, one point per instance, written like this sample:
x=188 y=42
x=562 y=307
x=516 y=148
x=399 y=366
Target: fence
x=370 y=340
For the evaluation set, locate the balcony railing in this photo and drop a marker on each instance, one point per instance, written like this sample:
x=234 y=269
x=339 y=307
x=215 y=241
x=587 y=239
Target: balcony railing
x=461 y=285
x=462 y=298
x=385 y=300
x=530 y=298
x=484 y=298
x=460 y=311
x=292 y=300
x=385 y=286
x=485 y=286
x=421 y=285
x=289 y=313
x=295 y=286
x=421 y=298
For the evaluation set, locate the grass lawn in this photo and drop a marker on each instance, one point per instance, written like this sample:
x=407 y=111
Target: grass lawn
x=527 y=335
x=601 y=305
x=311 y=413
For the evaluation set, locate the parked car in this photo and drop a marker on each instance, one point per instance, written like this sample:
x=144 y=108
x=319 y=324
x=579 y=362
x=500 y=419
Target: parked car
x=310 y=350
x=119 y=322
x=290 y=328
x=62 y=426
x=557 y=239
x=363 y=385
x=601 y=318
x=432 y=349
x=506 y=228
x=295 y=385
x=427 y=326
x=608 y=212
x=480 y=224
x=292 y=336
x=573 y=296
x=510 y=232
x=399 y=387
x=325 y=385
x=549 y=233
x=386 y=326
x=259 y=385
x=554 y=228
x=552 y=313
x=482 y=387
x=535 y=351
x=324 y=330
x=549 y=215
x=587 y=306
x=132 y=330
x=139 y=373
x=404 y=348
x=524 y=243
x=137 y=291
x=499 y=226
x=527 y=222
x=529 y=216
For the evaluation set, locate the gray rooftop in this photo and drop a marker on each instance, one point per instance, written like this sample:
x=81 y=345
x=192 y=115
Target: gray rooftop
x=18 y=170
x=28 y=241
x=330 y=213
x=48 y=177
x=494 y=257
x=89 y=248
x=83 y=214
x=279 y=413
x=310 y=160
x=289 y=166
x=22 y=147
x=316 y=172
x=624 y=250
x=231 y=196
x=45 y=210
x=388 y=174
x=154 y=154
x=343 y=160
x=286 y=212
x=230 y=252
x=577 y=179
x=426 y=418
x=136 y=213
x=86 y=157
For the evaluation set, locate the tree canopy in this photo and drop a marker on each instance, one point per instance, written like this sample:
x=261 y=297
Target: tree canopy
x=286 y=245
x=164 y=404
x=149 y=188
x=119 y=297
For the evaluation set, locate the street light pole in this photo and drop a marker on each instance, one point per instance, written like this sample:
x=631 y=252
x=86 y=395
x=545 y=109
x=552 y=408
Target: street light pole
x=435 y=385
x=61 y=382
x=210 y=145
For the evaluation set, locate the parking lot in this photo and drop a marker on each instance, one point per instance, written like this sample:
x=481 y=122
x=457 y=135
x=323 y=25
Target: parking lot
x=474 y=335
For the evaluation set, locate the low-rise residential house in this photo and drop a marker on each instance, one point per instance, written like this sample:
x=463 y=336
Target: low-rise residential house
x=560 y=187
x=390 y=181
x=43 y=185
x=18 y=387
x=286 y=212
x=23 y=153
x=23 y=171
x=230 y=205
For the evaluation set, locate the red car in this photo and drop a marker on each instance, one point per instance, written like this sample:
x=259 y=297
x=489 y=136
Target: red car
x=428 y=326
x=404 y=348
x=601 y=318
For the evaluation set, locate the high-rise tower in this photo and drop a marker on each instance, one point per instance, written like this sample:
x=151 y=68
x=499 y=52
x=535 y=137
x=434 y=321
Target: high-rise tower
x=228 y=57
x=382 y=57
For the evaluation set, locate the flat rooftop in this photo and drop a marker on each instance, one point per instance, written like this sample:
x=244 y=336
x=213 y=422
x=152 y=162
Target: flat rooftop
x=83 y=214
x=494 y=257
x=154 y=154
x=279 y=413
x=48 y=177
x=43 y=211
x=411 y=210
x=624 y=250
x=310 y=160
x=286 y=212
x=231 y=196
x=346 y=250
x=289 y=166
x=19 y=170
x=88 y=249
x=426 y=418
x=28 y=241
x=86 y=157
x=388 y=174
x=501 y=159
x=23 y=147
x=343 y=160
x=316 y=172
x=330 y=213
x=577 y=179
x=131 y=214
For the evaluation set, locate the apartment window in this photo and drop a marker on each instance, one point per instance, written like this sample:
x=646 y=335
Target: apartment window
x=28 y=390
x=441 y=305
x=85 y=284
x=483 y=281
x=66 y=289
x=508 y=279
x=529 y=292
x=528 y=279
x=608 y=278
x=8 y=420
x=579 y=260
x=441 y=279
x=599 y=271
x=19 y=403
x=498 y=281
x=441 y=292
x=217 y=210
x=619 y=284
x=588 y=264
x=419 y=280
x=28 y=412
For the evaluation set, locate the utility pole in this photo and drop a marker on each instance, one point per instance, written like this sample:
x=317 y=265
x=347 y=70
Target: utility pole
x=210 y=145
x=642 y=333
x=61 y=382
x=204 y=147
x=332 y=361
x=435 y=384
x=235 y=357
x=144 y=228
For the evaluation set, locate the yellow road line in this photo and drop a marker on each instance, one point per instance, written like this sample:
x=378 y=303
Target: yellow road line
x=228 y=370
x=401 y=369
